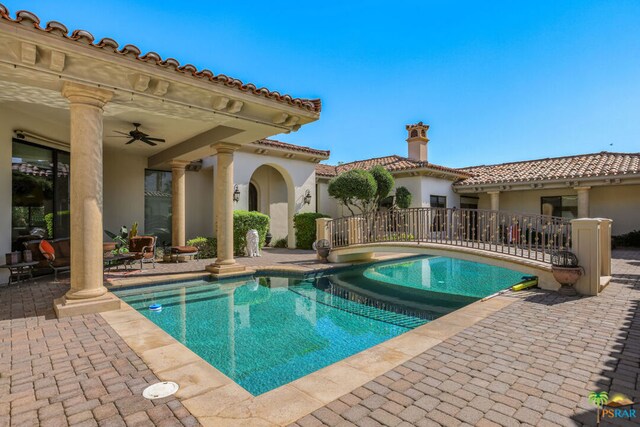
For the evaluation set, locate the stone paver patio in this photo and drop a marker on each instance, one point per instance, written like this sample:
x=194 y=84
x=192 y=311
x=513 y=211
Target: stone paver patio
x=532 y=363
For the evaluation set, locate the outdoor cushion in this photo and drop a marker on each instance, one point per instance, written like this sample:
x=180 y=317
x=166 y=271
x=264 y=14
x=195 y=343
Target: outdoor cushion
x=47 y=250
x=61 y=262
x=136 y=244
x=63 y=247
x=184 y=249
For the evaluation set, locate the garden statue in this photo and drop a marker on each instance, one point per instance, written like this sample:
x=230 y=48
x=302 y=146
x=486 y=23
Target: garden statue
x=253 y=243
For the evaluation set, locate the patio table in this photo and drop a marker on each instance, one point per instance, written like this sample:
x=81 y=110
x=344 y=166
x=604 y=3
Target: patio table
x=18 y=270
x=118 y=260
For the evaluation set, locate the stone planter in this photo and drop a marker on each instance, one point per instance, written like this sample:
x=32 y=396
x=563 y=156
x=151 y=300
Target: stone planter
x=323 y=253
x=567 y=277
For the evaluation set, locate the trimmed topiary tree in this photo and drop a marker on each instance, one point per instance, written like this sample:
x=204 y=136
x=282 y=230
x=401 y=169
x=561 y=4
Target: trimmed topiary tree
x=355 y=189
x=385 y=183
x=363 y=191
x=244 y=221
x=403 y=197
x=305 y=225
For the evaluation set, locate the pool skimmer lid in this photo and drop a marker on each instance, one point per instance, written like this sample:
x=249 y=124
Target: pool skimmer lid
x=160 y=390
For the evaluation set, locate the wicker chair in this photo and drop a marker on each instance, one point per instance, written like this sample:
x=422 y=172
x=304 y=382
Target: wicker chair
x=144 y=249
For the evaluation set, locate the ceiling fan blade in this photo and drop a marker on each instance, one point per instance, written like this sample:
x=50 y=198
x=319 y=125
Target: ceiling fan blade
x=155 y=139
x=130 y=141
x=145 y=140
x=119 y=136
x=122 y=133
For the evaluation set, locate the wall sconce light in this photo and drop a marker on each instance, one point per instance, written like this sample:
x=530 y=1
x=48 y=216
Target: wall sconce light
x=307 y=198
x=236 y=193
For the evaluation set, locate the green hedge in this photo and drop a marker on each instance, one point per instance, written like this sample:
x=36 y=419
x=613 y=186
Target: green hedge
x=630 y=240
x=244 y=221
x=305 y=225
x=207 y=246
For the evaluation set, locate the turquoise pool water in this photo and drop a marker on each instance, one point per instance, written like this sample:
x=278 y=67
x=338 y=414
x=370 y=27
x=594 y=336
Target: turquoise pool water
x=267 y=331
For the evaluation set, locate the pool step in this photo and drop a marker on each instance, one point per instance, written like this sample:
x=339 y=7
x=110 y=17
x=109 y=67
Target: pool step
x=308 y=290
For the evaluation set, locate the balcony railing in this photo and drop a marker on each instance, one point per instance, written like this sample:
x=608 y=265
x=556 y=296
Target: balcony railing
x=529 y=236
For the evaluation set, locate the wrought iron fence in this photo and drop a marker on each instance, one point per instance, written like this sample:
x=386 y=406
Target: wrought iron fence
x=523 y=235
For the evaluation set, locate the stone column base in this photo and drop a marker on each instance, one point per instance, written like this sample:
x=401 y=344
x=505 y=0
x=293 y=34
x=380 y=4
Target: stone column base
x=72 y=307
x=219 y=271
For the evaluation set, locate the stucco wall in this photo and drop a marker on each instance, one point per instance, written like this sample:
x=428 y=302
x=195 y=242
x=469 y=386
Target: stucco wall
x=621 y=203
x=438 y=187
x=272 y=199
x=199 y=203
x=123 y=202
x=414 y=185
x=326 y=204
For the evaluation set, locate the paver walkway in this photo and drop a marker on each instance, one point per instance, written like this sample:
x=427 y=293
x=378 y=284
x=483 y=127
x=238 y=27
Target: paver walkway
x=532 y=363
x=75 y=371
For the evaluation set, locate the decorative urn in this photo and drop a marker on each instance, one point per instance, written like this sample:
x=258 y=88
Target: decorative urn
x=566 y=271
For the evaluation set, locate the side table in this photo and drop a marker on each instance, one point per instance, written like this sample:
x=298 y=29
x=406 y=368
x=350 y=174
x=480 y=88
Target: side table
x=21 y=269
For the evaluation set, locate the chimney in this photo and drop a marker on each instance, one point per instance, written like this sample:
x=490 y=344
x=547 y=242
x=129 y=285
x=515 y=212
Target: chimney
x=417 y=140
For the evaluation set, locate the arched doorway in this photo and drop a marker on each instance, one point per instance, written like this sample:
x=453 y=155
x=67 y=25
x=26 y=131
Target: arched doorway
x=271 y=193
x=253 y=197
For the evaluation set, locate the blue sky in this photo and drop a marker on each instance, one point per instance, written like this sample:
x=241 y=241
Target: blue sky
x=497 y=81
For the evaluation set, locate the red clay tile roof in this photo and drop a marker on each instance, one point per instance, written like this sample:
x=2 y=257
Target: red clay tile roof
x=279 y=144
x=393 y=163
x=53 y=27
x=570 y=167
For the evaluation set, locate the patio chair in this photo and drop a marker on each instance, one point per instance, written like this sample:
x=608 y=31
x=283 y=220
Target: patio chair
x=55 y=254
x=144 y=249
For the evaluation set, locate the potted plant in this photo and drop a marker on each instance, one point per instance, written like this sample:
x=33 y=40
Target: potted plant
x=566 y=271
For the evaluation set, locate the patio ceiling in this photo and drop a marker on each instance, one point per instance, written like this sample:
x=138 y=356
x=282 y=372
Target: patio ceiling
x=178 y=104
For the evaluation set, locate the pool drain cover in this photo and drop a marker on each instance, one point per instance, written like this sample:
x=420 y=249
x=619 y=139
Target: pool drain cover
x=160 y=390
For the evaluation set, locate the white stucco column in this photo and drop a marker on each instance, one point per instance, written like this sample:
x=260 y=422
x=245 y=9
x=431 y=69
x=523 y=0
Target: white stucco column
x=85 y=104
x=178 y=209
x=225 y=264
x=583 y=201
x=495 y=200
x=585 y=244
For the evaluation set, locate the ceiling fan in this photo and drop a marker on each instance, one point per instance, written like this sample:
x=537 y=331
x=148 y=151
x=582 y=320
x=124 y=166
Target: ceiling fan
x=138 y=135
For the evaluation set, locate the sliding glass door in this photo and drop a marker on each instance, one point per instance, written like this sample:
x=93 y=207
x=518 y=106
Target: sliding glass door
x=40 y=196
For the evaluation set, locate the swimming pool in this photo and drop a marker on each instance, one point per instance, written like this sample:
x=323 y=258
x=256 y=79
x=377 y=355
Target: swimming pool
x=265 y=332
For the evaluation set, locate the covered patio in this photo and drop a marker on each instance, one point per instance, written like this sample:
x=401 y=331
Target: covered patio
x=66 y=91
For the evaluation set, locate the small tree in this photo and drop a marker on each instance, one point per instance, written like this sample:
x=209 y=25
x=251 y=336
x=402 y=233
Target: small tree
x=356 y=189
x=385 y=183
x=403 y=197
x=363 y=191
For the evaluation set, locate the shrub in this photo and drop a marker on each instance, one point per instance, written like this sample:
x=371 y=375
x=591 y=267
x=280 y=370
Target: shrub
x=631 y=239
x=244 y=221
x=281 y=243
x=403 y=197
x=207 y=246
x=305 y=225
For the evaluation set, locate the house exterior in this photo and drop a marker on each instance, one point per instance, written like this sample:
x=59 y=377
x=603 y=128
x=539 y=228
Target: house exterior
x=69 y=105
x=587 y=185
